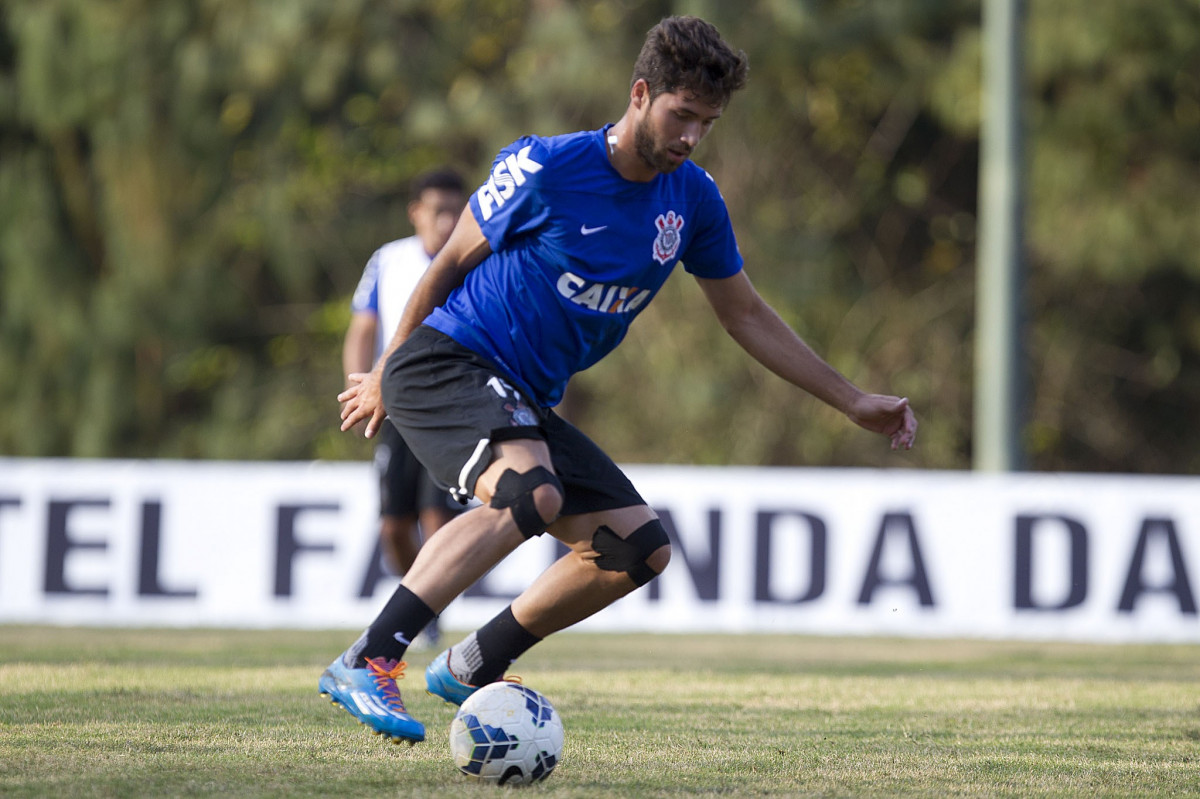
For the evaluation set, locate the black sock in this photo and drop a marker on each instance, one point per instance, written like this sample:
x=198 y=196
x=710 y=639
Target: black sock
x=485 y=654
x=402 y=618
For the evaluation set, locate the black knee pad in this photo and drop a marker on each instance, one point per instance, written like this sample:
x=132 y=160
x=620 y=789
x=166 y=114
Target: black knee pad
x=629 y=554
x=515 y=491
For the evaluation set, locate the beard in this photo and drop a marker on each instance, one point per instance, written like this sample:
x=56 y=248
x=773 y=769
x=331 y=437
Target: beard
x=649 y=151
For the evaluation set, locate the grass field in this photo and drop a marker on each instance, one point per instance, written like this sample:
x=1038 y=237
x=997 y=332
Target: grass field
x=125 y=713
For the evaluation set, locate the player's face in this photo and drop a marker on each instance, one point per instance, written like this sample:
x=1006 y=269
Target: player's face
x=671 y=127
x=434 y=215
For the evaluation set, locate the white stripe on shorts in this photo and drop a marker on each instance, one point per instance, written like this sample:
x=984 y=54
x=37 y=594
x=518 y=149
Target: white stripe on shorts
x=463 y=489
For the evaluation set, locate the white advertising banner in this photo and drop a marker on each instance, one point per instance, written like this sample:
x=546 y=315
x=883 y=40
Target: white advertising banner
x=859 y=552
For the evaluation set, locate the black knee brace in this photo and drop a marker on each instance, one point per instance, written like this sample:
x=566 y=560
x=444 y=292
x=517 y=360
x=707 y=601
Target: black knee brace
x=629 y=554
x=515 y=491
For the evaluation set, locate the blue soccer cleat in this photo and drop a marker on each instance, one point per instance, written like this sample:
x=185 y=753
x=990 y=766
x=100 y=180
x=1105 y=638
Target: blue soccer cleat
x=442 y=683
x=370 y=695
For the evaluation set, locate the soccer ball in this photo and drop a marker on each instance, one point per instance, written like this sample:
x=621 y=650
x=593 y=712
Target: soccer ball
x=506 y=733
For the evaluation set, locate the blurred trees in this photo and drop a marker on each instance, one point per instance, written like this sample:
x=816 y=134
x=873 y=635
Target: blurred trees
x=189 y=190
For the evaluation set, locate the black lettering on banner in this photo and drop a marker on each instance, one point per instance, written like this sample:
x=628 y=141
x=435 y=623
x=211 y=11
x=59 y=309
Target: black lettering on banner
x=59 y=544
x=149 y=583
x=706 y=575
x=1077 y=578
x=287 y=547
x=13 y=501
x=374 y=573
x=897 y=524
x=817 y=538
x=1179 y=585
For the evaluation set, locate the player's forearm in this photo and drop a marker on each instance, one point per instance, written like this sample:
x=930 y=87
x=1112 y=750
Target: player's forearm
x=766 y=337
x=358 y=348
x=354 y=364
x=431 y=291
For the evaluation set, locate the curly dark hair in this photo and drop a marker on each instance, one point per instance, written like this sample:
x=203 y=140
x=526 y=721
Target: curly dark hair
x=441 y=178
x=688 y=54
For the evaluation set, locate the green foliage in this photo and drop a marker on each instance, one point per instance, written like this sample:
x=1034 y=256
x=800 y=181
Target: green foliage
x=189 y=190
x=1115 y=278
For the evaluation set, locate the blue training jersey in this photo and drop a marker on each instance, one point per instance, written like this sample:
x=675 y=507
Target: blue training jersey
x=577 y=252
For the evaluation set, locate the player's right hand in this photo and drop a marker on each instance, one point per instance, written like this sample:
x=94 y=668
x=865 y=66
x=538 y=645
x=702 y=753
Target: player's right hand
x=888 y=415
x=362 y=400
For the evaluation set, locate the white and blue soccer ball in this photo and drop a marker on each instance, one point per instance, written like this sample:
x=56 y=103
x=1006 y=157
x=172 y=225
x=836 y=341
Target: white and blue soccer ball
x=506 y=733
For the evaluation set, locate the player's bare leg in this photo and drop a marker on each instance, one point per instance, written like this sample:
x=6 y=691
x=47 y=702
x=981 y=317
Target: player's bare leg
x=363 y=679
x=574 y=587
x=612 y=553
x=463 y=550
x=399 y=541
x=401 y=536
x=431 y=519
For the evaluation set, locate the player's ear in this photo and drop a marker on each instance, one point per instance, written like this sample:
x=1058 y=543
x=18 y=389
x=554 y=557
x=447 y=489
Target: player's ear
x=639 y=93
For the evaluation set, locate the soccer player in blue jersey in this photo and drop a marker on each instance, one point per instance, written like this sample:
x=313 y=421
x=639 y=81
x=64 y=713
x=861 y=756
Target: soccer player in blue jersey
x=567 y=241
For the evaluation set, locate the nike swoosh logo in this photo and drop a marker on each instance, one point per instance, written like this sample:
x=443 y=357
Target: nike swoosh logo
x=587 y=231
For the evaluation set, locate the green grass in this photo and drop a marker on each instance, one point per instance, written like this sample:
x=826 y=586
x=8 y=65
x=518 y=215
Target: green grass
x=125 y=713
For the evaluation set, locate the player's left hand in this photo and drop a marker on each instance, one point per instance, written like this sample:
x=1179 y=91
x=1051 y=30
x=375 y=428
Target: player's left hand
x=890 y=416
x=363 y=400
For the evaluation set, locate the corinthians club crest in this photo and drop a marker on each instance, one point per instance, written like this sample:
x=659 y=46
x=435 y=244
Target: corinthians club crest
x=667 y=242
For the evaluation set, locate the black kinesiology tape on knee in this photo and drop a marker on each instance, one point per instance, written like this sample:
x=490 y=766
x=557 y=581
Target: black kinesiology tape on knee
x=629 y=554
x=515 y=491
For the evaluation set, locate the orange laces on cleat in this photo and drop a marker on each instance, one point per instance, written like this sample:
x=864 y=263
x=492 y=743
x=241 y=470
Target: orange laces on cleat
x=386 y=672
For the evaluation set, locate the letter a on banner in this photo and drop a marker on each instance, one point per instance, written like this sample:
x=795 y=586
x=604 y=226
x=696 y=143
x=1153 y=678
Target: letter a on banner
x=897 y=524
x=1179 y=585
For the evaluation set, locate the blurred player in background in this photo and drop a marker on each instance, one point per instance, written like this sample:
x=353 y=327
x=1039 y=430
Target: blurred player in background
x=569 y=239
x=411 y=504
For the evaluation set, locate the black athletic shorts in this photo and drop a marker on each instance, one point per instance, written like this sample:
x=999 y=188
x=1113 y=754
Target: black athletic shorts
x=450 y=404
x=405 y=487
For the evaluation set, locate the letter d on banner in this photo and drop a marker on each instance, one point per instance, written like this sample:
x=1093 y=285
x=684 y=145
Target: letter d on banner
x=1077 y=576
